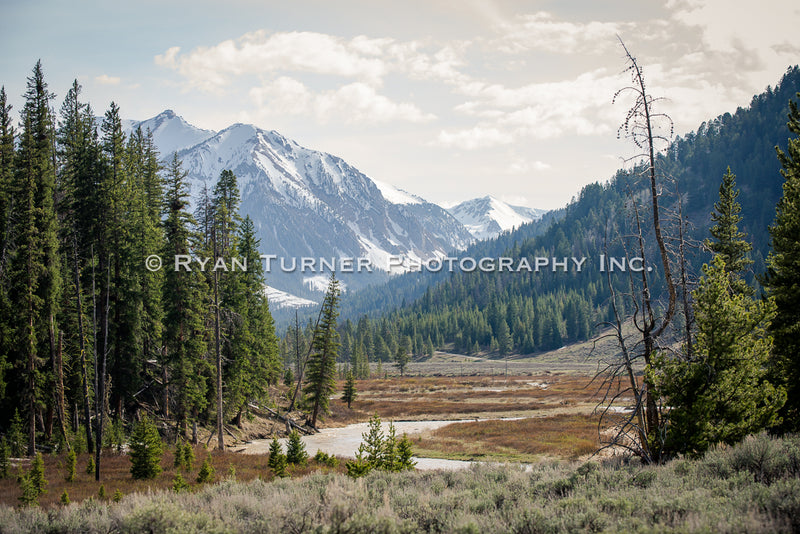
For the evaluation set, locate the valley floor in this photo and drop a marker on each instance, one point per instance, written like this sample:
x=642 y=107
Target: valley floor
x=752 y=487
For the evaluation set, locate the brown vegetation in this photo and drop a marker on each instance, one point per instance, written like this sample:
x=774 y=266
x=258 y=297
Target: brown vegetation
x=117 y=475
x=563 y=435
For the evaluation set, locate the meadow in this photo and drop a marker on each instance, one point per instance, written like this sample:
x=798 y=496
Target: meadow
x=751 y=487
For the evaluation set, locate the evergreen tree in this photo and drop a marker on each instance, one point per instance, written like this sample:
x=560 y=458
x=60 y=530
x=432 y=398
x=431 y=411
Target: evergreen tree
x=321 y=374
x=146 y=450
x=79 y=171
x=722 y=395
x=296 y=450
x=36 y=474
x=405 y=453
x=373 y=443
x=277 y=460
x=783 y=278
x=5 y=464
x=207 y=471
x=183 y=298
x=728 y=242
x=402 y=358
x=349 y=393
x=34 y=280
x=6 y=209
x=72 y=461
x=254 y=346
x=179 y=484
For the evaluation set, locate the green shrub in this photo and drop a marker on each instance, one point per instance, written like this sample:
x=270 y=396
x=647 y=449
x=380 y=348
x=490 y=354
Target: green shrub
x=324 y=458
x=64 y=498
x=117 y=497
x=101 y=493
x=90 y=466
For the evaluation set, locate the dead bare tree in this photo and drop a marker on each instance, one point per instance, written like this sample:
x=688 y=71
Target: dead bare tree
x=641 y=430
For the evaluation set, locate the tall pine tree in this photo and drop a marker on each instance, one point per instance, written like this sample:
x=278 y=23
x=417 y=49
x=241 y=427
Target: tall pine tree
x=35 y=277
x=254 y=345
x=783 y=277
x=321 y=373
x=184 y=291
x=728 y=242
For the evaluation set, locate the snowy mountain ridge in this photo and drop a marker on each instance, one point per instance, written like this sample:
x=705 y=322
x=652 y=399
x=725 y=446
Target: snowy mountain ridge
x=308 y=203
x=487 y=217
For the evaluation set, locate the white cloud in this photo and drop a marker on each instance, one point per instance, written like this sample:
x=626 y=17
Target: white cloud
x=105 y=79
x=367 y=60
x=473 y=138
x=212 y=68
x=542 y=31
x=352 y=103
x=523 y=166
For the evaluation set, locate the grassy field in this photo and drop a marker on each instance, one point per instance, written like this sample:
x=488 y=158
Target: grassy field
x=116 y=475
x=752 y=487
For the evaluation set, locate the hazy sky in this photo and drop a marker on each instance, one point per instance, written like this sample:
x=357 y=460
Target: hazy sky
x=449 y=100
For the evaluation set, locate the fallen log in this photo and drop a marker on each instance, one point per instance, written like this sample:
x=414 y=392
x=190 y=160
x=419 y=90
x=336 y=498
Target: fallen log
x=289 y=422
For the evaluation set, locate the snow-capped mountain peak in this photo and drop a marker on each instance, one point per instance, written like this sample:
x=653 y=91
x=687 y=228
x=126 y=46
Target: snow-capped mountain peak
x=488 y=216
x=307 y=203
x=171 y=132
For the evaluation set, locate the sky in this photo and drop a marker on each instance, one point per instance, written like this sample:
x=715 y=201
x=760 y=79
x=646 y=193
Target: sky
x=449 y=100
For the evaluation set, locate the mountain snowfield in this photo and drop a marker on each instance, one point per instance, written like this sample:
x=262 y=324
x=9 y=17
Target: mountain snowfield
x=307 y=203
x=487 y=217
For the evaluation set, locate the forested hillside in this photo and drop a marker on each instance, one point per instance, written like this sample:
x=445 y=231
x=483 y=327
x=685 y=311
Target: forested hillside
x=90 y=327
x=527 y=312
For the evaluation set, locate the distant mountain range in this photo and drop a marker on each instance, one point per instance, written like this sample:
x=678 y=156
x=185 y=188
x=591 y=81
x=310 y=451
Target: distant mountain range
x=487 y=217
x=307 y=203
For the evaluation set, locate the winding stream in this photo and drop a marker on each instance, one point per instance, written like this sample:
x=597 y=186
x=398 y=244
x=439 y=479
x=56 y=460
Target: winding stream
x=344 y=441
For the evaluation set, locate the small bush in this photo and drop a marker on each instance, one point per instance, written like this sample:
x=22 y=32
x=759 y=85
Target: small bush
x=117 y=497
x=64 y=498
x=90 y=466
x=326 y=459
x=101 y=493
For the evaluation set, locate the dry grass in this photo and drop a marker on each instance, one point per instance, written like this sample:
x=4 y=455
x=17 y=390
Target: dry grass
x=564 y=435
x=465 y=397
x=116 y=475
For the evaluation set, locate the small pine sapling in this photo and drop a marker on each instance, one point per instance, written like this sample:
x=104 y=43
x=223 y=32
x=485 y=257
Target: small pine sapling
x=72 y=461
x=277 y=460
x=179 y=484
x=296 y=450
x=207 y=471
